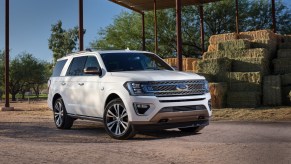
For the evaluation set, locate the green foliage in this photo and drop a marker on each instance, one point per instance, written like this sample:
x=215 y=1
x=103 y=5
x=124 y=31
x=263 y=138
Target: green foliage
x=218 y=18
x=27 y=72
x=61 y=41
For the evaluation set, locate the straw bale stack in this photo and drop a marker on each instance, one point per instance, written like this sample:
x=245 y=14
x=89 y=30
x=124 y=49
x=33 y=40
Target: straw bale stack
x=286 y=38
x=285 y=45
x=286 y=79
x=236 y=86
x=251 y=65
x=282 y=65
x=258 y=35
x=218 y=94
x=270 y=45
x=284 y=53
x=219 y=68
x=272 y=90
x=233 y=45
x=250 y=77
x=243 y=99
x=286 y=95
x=215 y=39
x=247 y=53
x=188 y=63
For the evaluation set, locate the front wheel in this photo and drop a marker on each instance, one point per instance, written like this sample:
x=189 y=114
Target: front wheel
x=116 y=120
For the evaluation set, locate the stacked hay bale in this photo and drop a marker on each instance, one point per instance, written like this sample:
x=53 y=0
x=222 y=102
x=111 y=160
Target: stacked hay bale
x=189 y=64
x=218 y=94
x=272 y=90
x=250 y=53
x=282 y=67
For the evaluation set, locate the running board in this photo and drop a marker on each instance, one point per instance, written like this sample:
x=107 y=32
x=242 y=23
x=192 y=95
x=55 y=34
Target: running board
x=82 y=117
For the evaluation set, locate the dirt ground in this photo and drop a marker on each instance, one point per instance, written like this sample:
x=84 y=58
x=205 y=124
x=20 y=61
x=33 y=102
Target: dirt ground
x=28 y=135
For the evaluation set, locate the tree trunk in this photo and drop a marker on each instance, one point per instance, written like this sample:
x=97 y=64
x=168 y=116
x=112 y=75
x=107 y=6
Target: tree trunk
x=23 y=94
x=13 y=96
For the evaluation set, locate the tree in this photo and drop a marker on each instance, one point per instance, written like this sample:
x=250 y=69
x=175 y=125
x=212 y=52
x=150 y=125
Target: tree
x=27 y=72
x=219 y=18
x=61 y=41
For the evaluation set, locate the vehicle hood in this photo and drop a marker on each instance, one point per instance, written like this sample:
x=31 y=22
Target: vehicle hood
x=157 y=75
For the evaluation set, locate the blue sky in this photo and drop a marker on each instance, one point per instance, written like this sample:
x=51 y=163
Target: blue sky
x=30 y=22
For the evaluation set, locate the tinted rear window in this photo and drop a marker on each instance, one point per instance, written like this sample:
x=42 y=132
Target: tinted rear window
x=58 y=68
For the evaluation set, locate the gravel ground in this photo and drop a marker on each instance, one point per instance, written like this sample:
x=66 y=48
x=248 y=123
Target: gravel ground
x=28 y=135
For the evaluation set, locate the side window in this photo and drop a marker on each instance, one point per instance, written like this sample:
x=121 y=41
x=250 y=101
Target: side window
x=77 y=66
x=92 y=62
x=58 y=68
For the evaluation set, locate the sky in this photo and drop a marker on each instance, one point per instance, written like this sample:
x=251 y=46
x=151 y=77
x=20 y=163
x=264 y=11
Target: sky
x=31 y=20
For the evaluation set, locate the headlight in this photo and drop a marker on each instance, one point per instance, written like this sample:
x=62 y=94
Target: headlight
x=137 y=88
x=206 y=86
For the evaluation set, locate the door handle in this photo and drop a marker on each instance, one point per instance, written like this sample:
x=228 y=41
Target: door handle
x=63 y=83
x=81 y=84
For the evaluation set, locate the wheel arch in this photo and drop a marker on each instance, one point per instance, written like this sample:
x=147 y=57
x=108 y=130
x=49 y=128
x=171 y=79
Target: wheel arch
x=56 y=96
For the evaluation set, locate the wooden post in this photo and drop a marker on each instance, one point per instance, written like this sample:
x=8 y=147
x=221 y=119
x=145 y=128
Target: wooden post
x=156 y=26
x=236 y=16
x=7 y=54
x=143 y=33
x=179 y=37
x=202 y=27
x=274 y=16
x=81 y=28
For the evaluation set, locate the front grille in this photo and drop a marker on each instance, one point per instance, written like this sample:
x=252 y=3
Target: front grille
x=171 y=88
x=182 y=108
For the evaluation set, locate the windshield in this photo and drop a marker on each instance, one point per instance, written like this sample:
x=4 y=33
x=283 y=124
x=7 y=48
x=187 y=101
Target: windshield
x=116 y=62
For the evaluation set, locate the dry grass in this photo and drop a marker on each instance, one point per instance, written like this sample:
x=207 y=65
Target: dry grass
x=25 y=111
x=253 y=114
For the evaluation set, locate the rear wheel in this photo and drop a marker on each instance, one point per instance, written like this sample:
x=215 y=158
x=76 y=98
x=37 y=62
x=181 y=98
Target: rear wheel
x=61 y=119
x=194 y=129
x=116 y=120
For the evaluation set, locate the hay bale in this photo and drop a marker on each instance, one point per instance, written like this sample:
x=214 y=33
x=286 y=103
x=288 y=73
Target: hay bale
x=233 y=45
x=282 y=65
x=208 y=77
x=251 y=65
x=272 y=90
x=244 y=87
x=286 y=95
x=285 y=45
x=286 y=79
x=258 y=35
x=270 y=45
x=217 y=67
x=215 y=39
x=246 y=53
x=286 y=38
x=189 y=63
x=243 y=99
x=212 y=47
x=284 y=53
x=250 y=77
x=218 y=95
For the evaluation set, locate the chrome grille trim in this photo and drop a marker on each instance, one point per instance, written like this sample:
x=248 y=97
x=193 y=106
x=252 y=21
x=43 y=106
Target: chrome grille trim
x=169 y=88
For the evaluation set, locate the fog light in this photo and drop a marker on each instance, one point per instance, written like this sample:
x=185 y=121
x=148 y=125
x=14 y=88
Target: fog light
x=209 y=104
x=141 y=109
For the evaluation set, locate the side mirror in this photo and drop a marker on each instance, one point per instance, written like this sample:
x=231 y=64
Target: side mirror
x=93 y=71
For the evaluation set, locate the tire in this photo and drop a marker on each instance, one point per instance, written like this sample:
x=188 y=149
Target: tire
x=194 y=129
x=116 y=121
x=61 y=119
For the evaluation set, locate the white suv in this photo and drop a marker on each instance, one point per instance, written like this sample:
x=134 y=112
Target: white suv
x=128 y=91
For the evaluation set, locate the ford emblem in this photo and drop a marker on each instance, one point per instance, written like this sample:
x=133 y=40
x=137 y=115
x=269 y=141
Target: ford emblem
x=182 y=87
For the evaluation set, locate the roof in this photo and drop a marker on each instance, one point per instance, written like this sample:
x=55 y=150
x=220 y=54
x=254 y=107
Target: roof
x=147 y=5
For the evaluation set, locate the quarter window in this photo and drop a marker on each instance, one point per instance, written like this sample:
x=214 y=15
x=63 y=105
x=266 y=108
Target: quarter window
x=58 y=68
